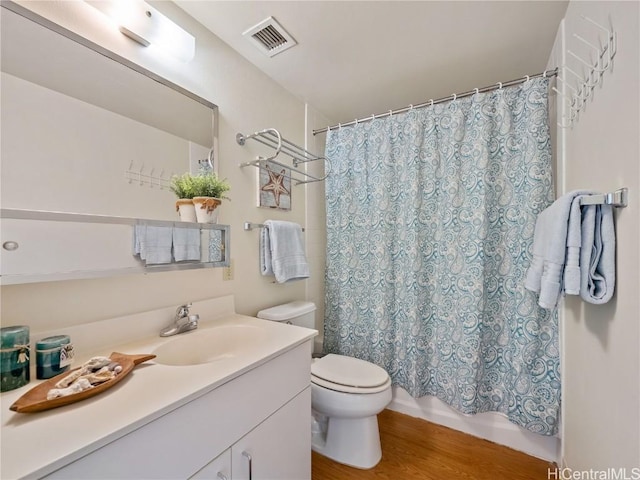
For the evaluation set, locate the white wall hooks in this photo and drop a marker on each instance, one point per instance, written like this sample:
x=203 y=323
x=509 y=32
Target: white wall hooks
x=590 y=72
x=138 y=176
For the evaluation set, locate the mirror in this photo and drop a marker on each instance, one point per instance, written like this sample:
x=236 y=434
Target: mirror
x=87 y=131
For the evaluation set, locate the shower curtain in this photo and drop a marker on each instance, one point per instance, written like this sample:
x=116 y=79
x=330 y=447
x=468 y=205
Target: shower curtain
x=430 y=219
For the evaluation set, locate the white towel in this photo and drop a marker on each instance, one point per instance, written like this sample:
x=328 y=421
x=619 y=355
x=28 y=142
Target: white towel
x=153 y=244
x=282 y=251
x=186 y=244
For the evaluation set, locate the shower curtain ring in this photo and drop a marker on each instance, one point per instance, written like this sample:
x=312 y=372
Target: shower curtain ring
x=431 y=102
x=544 y=74
x=477 y=90
x=500 y=85
x=527 y=78
x=454 y=97
x=390 y=113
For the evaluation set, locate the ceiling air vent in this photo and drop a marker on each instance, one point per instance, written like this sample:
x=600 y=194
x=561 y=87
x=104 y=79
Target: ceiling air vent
x=270 y=37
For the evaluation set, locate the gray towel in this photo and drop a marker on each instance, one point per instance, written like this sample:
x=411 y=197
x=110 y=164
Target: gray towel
x=266 y=266
x=153 y=244
x=545 y=274
x=282 y=251
x=574 y=243
x=573 y=252
x=598 y=254
x=186 y=244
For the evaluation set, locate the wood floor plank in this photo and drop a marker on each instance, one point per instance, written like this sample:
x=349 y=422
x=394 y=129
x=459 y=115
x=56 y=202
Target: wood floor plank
x=414 y=449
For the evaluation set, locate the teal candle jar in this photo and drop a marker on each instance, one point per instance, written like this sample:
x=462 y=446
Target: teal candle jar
x=14 y=357
x=53 y=356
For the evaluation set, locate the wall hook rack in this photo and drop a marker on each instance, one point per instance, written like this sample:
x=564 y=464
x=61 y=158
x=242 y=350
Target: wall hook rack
x=593 y=71
x=299 y=156
x=139 y=176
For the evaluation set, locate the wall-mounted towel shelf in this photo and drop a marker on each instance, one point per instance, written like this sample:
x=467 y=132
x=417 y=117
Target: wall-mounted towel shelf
x=250 y=226
x=82 y=246
x=619 y=198
x=272 y=138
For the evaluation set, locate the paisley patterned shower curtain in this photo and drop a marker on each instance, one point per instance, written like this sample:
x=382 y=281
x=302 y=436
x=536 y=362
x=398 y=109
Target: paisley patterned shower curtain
x=430 y=218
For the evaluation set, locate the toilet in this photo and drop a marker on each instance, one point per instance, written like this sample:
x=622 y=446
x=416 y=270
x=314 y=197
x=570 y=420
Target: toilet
x=346 y=396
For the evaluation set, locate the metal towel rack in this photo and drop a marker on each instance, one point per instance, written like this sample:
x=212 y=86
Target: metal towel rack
x=272 y=138
x=250 y=226
x=619 y=198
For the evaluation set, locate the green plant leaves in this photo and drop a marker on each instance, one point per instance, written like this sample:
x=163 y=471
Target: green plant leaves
x=205 y=185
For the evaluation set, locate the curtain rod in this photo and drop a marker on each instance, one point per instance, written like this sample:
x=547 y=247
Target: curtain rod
x=546 y=73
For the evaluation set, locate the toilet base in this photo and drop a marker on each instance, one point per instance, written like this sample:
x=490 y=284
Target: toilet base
x=351 y=441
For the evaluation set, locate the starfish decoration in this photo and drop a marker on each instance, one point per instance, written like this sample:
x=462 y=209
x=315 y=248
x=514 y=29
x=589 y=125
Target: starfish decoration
x=275 y=185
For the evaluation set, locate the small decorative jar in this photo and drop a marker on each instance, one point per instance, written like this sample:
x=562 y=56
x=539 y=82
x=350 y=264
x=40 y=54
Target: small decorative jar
x=53 y=356
x=14 y=357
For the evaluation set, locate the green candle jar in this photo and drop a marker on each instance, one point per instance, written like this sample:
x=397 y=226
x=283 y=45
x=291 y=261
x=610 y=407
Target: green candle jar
x=53 y=356
x=14 y=357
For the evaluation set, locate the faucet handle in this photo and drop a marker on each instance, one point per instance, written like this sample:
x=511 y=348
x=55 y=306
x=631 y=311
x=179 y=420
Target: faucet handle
x=183 y=310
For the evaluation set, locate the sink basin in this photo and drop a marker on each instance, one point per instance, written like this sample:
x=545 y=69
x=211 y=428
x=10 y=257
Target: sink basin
x=209 y=345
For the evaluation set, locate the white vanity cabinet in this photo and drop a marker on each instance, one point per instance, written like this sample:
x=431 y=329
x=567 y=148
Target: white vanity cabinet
x=265 y=412
x=274 y=450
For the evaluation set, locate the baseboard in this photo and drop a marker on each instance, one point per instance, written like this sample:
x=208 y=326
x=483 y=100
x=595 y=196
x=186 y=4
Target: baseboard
x=490 y=426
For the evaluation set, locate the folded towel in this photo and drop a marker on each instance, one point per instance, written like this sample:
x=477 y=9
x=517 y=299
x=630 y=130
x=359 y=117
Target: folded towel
x=549 y=250
x=153 y=244
x=598 y=254
x=186 y=244
x=573 y=252
x=574 y=243
x=266 y=265
x=282 y=251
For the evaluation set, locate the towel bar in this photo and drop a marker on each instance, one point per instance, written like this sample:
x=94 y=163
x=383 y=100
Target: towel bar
x=250 y=226
x=272 y=138
x=619 y=198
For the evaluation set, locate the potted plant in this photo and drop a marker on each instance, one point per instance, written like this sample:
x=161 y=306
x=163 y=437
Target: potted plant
x=199 y=196
x=209 y=191
x=183 y=187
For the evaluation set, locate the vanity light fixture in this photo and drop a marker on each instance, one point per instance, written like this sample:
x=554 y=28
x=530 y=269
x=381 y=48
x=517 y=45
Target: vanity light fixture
x=147 y=26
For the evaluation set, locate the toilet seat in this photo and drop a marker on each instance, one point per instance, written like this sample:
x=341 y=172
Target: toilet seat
x=346 y=389
x=349 y=375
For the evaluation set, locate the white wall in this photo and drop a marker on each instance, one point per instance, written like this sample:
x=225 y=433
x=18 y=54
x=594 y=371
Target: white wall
x=248 y=101
x=601 y=360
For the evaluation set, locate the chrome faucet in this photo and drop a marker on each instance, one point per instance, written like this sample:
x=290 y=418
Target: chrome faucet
x=183 y=322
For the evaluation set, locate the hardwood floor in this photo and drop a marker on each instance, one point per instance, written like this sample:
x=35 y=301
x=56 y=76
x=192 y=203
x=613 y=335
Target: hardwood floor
x=414 y=449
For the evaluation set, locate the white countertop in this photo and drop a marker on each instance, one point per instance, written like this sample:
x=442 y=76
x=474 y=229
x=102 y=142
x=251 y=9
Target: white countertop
x=35 y=444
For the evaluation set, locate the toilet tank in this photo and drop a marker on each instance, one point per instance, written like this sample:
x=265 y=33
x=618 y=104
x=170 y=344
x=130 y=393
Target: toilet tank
x=298 y=313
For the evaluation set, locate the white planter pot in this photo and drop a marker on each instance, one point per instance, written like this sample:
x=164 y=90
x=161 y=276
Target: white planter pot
x=207 y=209
x=186 y=210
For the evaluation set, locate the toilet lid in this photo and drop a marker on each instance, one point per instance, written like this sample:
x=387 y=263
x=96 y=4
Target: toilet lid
x=349 y=371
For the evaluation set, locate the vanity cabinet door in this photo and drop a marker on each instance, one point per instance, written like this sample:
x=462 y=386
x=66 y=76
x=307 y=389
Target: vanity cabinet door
x=280 y=447
x=217 y=469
